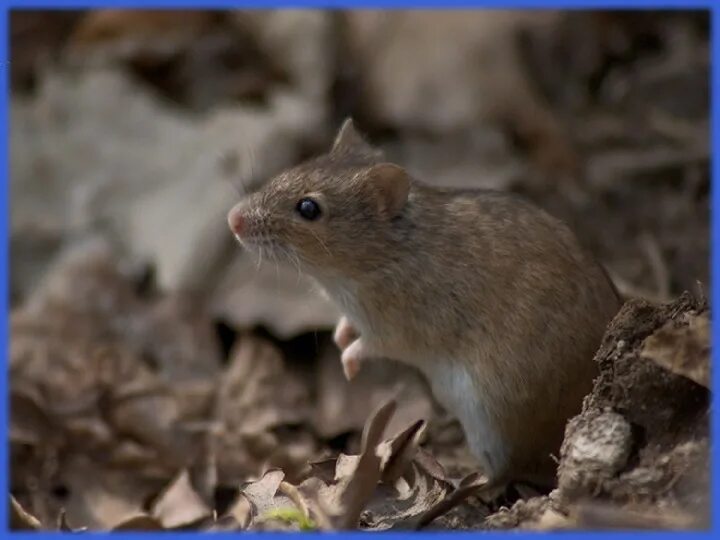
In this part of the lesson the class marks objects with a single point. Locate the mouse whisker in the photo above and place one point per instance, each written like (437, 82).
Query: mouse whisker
(296, 262)
(320, 242)
(274, 251)
(292, 257)
(261, 249)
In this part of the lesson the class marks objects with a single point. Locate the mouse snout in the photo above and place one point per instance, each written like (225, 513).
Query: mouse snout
(237, 221)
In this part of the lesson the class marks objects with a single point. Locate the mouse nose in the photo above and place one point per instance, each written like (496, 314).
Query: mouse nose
(236, 221)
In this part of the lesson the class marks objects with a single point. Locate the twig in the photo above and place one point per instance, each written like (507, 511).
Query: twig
(292, 493)
(657, 263)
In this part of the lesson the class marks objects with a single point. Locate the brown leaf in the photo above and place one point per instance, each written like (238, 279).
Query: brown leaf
(261, 493)
(324, 470)
(20, 520)
(29, 422)
(241, 512)
(140, 522)
(257, 397)
(409, 488)
(179, 505)
(110, 26)
(398, 506)
(401, 451)
(99, 496)
(467, 486)
(684, 350)
(277, 298)
(265, 499)
(226, 523)
(367, 472)
(343, 406)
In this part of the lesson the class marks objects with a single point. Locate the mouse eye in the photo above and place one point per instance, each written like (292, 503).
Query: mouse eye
(308, 208)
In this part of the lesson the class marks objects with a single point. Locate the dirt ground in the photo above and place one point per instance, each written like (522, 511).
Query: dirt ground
(161, 380)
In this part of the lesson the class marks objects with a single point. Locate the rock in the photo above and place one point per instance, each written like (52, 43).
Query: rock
(596, 447)
(660, 457)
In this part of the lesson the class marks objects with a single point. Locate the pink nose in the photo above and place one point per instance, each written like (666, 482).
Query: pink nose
(236, 221)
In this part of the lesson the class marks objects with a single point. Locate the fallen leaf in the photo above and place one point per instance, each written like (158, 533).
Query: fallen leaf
(271, 498)
(684, 350)
(241, 512)
(342, 406)
(20, 520)
(258, 397)
(179, 505)
(140, 522)
(367, 471)
(99, 497)
(391, 485)
(29, 421)
(261, 493)
(400, 452)
(467, 486)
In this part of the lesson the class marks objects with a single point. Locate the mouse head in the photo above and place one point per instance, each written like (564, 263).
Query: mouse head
(335, 213)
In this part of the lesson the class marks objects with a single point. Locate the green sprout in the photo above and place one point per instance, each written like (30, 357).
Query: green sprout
(292, 516)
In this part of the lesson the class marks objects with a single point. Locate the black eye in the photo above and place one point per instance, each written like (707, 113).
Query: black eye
(308, 209)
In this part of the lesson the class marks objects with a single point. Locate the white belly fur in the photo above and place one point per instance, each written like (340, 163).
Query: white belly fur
(453, 388)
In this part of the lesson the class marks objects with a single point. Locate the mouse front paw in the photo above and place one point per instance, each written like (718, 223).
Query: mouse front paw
(352, 357)
(345, 333)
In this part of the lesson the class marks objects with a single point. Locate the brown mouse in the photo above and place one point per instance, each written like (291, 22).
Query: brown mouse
(489, 296)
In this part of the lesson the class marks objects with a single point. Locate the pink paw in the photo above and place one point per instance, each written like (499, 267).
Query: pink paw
(352, 358)
(344, 334)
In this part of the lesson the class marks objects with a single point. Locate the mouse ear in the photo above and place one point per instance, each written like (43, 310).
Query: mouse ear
(349, 139)
(392, 186)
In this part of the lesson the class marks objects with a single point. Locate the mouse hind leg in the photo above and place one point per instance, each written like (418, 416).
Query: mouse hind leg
(453, 387)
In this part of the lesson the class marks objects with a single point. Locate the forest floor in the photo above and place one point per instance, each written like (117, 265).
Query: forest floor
(159, 381)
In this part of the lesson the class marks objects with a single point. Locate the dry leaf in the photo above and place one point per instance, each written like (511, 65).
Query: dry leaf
(261, 493)
(343, 406)
(684, 350)
(179, 505)
(413, 491)
(140, 522)
(400, 452)
(367, 471)
(467, 486)
(258, 396)
(100, 497)
(20, 520)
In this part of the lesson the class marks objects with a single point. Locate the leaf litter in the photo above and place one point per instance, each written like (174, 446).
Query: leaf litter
(137, 409)
(105, 436)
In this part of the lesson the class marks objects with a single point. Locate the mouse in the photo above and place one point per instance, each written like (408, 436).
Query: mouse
(493, 299)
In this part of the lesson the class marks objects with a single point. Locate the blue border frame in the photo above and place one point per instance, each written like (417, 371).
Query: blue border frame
(4, 252)
(566, 4)
(427, 4)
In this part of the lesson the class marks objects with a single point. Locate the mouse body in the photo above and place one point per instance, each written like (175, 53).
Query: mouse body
(489, 296)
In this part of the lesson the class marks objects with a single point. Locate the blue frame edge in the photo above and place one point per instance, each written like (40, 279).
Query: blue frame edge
(565, 4)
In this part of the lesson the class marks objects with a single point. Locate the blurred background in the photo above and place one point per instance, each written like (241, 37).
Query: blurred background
(145, 342)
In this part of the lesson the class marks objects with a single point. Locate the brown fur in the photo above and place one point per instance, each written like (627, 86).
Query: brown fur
(477, 282)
